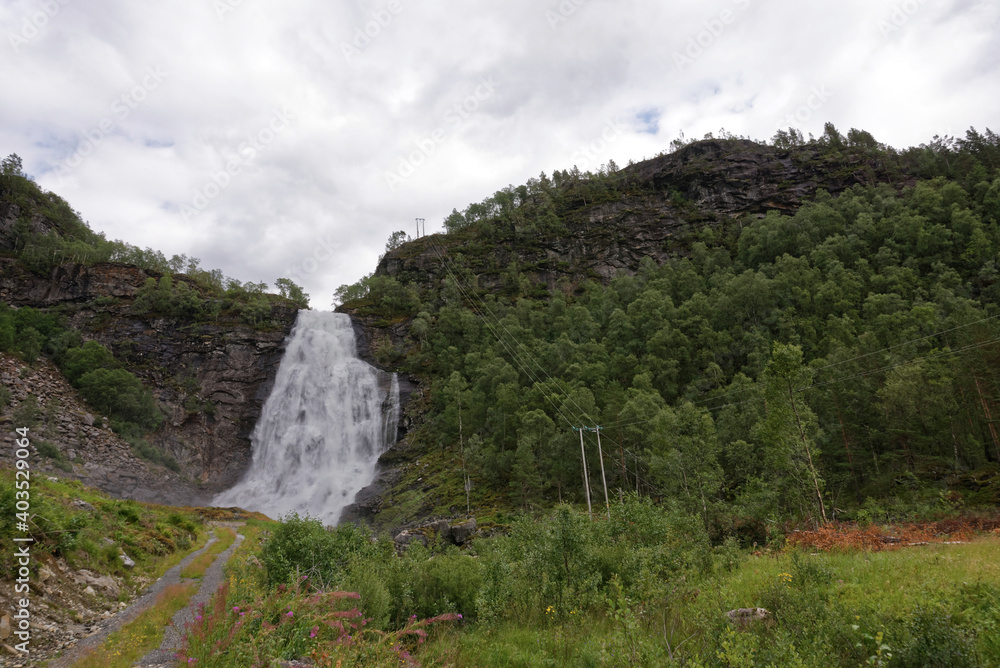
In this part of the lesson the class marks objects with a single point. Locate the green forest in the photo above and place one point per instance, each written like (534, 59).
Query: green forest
(837, 362)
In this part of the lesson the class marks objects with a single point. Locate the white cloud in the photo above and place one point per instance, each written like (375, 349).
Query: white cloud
(321, 182)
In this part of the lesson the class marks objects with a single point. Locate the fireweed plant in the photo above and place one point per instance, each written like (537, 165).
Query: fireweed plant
(250, 622)
(293, 622)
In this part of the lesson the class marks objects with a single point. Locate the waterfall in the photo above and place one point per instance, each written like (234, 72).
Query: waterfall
(327, 420)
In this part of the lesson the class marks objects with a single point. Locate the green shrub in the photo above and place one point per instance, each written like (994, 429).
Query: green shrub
(46, 449)
(89, 357)
(150, 453)
(446, 583)
(935, 640)
(27, 413)
(121, 395)
(301, 545)
(30, 342)
(181, 522)
(127, 510)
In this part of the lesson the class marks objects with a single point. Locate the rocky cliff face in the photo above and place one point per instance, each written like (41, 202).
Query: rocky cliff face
(708, 183)
(211, 379)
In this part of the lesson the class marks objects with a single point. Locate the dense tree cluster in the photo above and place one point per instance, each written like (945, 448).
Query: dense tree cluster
(793, 365)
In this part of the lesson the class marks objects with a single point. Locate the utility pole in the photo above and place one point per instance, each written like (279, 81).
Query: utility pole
(421, 223)
(465, 472)
(604, 480)
(586, 483)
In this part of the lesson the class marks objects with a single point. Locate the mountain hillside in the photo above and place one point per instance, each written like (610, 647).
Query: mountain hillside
(803, 329)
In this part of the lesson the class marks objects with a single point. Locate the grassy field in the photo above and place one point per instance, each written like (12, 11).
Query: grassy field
(931, 605)
(890, 604)
(90, 529)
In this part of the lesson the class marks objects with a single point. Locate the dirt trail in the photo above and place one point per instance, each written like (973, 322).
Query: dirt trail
(173, 634)
(164, 656)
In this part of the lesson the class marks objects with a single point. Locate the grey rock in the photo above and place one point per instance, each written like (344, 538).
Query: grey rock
(408, 536)
(745, 616)
(443, 530)
(105, 582)
(463, 531)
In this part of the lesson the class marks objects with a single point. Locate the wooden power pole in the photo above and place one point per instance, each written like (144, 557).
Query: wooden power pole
(604, 480)
(586, 482)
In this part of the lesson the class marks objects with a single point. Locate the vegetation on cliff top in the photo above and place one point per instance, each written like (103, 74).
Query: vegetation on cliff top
(48, 233)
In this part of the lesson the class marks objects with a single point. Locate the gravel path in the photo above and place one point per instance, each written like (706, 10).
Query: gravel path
(171, 577)
(172, 635)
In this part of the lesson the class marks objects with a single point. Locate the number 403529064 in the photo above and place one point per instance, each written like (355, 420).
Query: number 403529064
(22, 474)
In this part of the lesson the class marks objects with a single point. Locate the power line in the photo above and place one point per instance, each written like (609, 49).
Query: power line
(513, 354)
(906, 343)
(471, 296)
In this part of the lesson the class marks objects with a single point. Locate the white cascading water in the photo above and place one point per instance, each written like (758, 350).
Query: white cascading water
(327, 420)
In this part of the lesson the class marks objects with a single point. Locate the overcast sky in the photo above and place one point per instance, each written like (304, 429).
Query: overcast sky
(290, 139)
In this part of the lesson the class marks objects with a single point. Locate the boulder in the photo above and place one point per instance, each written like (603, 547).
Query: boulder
(744, 616)
(407, 536)
(83, 505)
(105, 582)
(443, 530)
(126, 561)
(463, 531)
